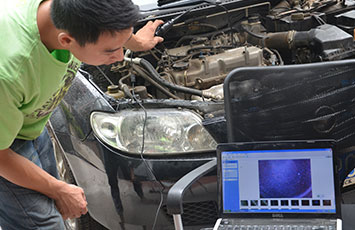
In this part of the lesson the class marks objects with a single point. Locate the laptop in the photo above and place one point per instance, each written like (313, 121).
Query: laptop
(283, 185)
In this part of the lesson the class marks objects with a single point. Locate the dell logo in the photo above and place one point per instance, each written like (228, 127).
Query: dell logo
(277, 215)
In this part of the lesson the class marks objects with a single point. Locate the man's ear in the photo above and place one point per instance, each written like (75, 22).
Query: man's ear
(65, 40)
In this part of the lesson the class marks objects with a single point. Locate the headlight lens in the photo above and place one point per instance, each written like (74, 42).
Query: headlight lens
(166, 131)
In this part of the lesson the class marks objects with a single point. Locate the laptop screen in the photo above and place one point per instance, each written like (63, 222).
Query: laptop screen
(278, 181)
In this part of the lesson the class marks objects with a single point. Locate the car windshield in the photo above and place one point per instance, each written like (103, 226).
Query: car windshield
(146, 4)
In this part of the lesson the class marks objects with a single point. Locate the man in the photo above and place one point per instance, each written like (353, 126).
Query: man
(42, 42)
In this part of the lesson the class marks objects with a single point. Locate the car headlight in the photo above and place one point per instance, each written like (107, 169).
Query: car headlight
(166, 131)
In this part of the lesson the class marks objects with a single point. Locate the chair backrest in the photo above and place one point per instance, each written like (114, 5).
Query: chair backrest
(292, 102)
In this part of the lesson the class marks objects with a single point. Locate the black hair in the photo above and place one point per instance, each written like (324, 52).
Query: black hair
(86, 20)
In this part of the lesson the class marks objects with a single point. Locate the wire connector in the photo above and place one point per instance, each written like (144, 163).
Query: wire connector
(133, 78)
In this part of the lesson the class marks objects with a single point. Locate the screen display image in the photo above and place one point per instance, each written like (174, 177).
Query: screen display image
(281, 181)
(285, 178)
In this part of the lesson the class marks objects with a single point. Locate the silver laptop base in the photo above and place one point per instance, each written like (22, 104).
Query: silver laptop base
(277, 224)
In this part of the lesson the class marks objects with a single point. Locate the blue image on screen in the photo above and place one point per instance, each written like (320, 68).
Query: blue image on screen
(285, 178)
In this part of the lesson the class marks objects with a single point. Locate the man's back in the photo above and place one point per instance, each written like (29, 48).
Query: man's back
(31, 79)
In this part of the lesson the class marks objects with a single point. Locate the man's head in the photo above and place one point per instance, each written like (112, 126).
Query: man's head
(86, 20)
(94, 30)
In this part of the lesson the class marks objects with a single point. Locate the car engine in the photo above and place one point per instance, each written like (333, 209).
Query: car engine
(211, 39)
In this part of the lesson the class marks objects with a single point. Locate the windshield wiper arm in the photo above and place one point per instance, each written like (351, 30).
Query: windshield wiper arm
(182, 3)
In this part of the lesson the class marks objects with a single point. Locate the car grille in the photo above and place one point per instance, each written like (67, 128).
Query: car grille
(200, 213)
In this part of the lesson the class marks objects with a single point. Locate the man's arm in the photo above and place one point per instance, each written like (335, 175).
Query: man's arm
(70, 199)
(145, 39)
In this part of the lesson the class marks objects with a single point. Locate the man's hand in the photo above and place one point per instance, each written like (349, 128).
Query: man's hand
(71, 201)
(145, 38)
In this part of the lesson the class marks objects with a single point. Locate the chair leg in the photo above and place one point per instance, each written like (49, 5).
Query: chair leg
(178, 222)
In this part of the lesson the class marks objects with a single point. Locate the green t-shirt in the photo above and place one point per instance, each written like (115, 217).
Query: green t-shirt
(32, 80)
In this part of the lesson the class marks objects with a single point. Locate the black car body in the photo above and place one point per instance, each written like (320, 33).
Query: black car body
(171, 99)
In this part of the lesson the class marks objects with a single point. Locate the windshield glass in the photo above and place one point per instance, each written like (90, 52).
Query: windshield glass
(146, 4)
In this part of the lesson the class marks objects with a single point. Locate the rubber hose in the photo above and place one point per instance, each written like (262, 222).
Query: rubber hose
(155, 75)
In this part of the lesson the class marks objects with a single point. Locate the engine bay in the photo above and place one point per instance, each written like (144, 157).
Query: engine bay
(208, 40)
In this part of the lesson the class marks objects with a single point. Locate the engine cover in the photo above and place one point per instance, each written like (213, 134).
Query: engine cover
(206, 71)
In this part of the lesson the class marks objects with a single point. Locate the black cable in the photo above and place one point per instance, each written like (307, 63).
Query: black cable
(281, 62)
(124, 87)
(319, 19)
(145, 75)
(103, 74)
(155, 75)
(166, 26)
(259, 36)
(142, 157)
(229, 19)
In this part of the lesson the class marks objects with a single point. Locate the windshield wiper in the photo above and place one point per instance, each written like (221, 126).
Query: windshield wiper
(167, 4)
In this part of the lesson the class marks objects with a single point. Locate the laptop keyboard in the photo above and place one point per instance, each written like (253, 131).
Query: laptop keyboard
(275, 227)
(229, 225)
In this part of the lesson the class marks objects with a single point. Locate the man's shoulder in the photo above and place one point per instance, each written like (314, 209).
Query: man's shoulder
(18, 24)
(19, 35)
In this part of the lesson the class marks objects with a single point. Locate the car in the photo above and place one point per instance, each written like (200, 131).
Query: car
(128, 131)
